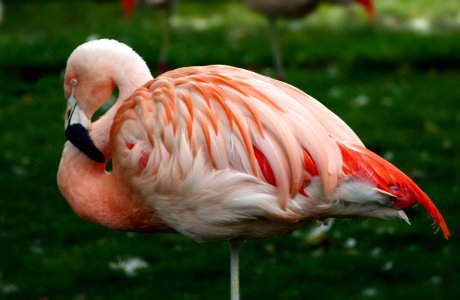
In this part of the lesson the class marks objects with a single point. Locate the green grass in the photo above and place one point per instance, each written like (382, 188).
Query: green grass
(397, 88)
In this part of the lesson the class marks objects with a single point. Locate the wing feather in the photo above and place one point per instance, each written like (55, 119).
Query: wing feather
(227, 112)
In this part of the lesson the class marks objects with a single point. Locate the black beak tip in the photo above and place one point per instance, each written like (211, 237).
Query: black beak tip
(79, 137)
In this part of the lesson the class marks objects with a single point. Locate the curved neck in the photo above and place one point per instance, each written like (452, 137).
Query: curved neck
(139, 74)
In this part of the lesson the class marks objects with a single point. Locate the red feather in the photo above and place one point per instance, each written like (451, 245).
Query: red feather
(362, 163)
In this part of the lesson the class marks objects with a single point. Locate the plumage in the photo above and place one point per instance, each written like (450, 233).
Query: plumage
(215, 153)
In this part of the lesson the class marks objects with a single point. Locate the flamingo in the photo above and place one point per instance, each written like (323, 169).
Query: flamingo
(294, 9)
(214, 153)
(168, 6)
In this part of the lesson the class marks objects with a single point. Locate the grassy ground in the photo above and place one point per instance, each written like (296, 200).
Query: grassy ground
(396, 84)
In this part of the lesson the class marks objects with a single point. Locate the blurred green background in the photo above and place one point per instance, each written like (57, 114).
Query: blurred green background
(396, 83)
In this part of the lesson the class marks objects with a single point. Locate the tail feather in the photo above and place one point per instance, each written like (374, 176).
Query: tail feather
(364, 164)
(425, 201)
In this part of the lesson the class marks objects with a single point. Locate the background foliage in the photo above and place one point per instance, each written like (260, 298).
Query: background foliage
(397, 83)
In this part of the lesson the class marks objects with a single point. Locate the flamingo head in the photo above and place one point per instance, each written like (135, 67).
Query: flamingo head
(85, 93)
(77, 124)
(368, 6)
(397, 188)
(93, 71)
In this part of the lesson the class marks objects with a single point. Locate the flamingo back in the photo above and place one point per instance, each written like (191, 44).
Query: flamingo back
(243, 121)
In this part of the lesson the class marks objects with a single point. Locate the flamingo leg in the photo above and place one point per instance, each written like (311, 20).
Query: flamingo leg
(235, 269)
(165, 40)
(276, 49)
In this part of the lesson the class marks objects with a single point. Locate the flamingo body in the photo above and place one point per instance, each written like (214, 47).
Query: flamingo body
(292, 9)
(283, 9)
(214, 152)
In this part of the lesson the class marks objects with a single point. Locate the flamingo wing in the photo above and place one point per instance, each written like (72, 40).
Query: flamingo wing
(206, 120)
(242, 121)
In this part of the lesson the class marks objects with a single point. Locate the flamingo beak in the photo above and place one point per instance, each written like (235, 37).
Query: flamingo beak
(76, 131)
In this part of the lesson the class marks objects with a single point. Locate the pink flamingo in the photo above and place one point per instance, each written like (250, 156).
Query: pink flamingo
(168, 6)
(214, 153)
(294, 9)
